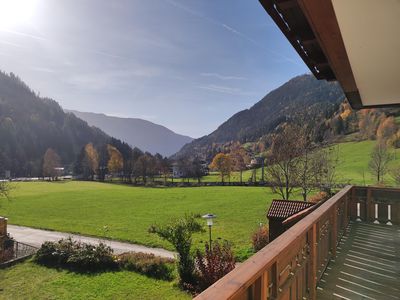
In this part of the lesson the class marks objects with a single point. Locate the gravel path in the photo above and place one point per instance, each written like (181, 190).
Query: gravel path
(36, 237)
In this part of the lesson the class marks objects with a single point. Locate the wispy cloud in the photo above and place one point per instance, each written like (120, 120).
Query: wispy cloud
(10, 44)
(113, 78)
(24, 34)
(225, 90)
(102, 53)
(223, 77)
(232, 31)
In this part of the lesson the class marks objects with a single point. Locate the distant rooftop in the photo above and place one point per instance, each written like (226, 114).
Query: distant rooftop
(282, 209)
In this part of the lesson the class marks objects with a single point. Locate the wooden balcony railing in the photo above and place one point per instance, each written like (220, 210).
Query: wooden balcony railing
(291, 266)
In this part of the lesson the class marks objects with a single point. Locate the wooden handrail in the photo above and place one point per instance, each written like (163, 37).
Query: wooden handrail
(236, 284)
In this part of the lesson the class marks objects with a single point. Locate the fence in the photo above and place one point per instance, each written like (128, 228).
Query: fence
(13, 251)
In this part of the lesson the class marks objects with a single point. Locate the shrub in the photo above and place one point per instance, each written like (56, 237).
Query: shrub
(260, 238)
(147, 264)
(67, 253)
(92, 258)
(213, 264)
(319, 197)
(179, 234)
(244, 253)
(47, 254)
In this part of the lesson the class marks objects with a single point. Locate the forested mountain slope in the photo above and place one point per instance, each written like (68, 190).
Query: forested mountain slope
(30, 124)
(318, 98)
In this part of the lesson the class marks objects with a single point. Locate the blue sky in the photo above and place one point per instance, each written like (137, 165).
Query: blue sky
(185, 64)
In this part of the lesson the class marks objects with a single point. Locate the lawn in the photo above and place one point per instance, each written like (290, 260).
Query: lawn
(86, 207)
(353, 163)
(352, 167)
(30, 281)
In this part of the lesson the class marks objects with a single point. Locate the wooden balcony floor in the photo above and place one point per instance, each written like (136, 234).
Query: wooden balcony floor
(367, 265)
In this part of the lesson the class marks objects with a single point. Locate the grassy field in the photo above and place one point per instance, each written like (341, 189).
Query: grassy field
(353, 163)
(352, 166)
(85, 207)
(30, 281)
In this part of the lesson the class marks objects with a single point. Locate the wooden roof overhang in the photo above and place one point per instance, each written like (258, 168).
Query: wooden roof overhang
(312, 28)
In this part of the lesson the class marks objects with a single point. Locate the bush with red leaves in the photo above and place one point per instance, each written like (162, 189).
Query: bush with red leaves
(213, 264)
(260, 238)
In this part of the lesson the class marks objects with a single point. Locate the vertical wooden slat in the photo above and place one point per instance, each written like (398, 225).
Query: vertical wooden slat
(353, 204)
(334, 230)
(313, 262)
(346, 215)
(368, 205)
(261, 287)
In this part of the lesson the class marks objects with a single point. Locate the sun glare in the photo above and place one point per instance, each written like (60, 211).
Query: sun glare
(16, 12)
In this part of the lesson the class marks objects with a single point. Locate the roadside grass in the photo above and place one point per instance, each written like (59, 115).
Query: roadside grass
(128, 212)
(30, 281)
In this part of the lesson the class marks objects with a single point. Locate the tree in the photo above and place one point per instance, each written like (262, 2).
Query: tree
(115, 163)
(91, 159)
(179, 234)
(223, 164)
(324, 162)
(386, 129)
(283, 161)
(126, 154)
(165, 168)
(368, 122)
(380, 159)
(51, 163)
(136, 154)
(143, 166)
(240, 160)
(5, 189)
(197, 169)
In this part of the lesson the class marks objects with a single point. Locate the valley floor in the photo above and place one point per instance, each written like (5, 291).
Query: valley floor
(127, 212)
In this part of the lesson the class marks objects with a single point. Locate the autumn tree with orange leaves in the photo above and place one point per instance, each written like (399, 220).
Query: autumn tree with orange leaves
(223, 164)
(116, 162)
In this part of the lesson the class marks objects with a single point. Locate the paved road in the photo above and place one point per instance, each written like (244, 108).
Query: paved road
(36, 237)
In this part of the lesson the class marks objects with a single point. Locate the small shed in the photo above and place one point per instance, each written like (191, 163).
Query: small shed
(279, 211)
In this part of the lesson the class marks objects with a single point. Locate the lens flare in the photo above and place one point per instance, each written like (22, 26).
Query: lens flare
(16, 12)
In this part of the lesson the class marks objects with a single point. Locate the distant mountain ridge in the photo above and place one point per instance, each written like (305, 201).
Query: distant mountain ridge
(136, 132)
(301, 93)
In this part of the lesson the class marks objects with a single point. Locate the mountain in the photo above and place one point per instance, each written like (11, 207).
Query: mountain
(300, 94)
(137, 132)
(30, 124)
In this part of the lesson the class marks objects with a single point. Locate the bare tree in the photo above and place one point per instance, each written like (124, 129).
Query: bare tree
(51, 163)
(240, 159)
(323, 168)
(395, 173)
(305, 167)
(379, 162)
(284, 161)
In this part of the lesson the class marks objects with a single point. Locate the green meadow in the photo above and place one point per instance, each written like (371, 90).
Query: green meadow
(128, 212)
(31, 281)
